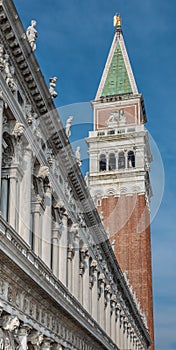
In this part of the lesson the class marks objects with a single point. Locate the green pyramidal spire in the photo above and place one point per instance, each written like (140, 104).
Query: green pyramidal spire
(117, 81)
(117, 78)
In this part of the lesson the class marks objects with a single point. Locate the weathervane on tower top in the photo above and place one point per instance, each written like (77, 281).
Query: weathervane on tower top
(117, 21)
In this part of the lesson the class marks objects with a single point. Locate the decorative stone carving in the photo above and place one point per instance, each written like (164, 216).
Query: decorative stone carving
(101, 278)
(78, 156)
(10, 322)
(68, 193)
(29, 116)
(52, 91)
(116, 119)
(8, 150)
(93, 268)
(93, 264)
(113, 244)
(68, 126)
(8, 339)
(81, 220)
(32, 35)
(74, 229)
(18, 130)
(36, 339)
(41, 172)
(58, 211)
(1, 96)
(9, 71)
(49, 155)
(40, 177)
(1, 57)
(84, 252)
(113, 300)
(101, 216)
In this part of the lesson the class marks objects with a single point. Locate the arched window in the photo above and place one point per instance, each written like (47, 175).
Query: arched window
(121, 160)
(131, 159)
(112, 161)
(102, 162)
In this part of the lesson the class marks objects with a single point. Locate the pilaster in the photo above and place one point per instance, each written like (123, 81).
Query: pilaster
(63, 250)
(46, 228)
(1, 130)
(25, 197)
(75, 265)
(101, 300)
(56, 235)
(107, 309)
(94, 289)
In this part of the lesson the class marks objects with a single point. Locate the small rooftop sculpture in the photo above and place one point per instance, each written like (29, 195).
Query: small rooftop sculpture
(68, 126)
(32, 35)
(52, 87)
(78, 155)
(117, 20)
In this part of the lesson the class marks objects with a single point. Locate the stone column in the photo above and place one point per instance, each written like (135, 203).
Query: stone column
(129, 336)
(4, 195)
(75, 266)
(63, 251)
(94, 289)
(137, 344)
(117, 160)
(1, 131)
(118, 308)
(14, 193)
(81, 272)
(113, 318)
(37, 212)
(70, 255)
(121, 335)
(23, 335)
(134, 342)
(125, 334)
(25, 197)
(131, 339)
(85, 252)
(101, 301)
(107, 161)
(55, 244)
(107, 309)
(47, 225)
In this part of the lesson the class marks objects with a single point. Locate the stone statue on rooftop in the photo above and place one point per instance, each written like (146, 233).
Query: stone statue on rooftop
(32, 35)
(78, 155)
(68, 126)
(52, 87)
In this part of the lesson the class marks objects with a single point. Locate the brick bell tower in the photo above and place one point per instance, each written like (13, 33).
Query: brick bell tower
(119, 171)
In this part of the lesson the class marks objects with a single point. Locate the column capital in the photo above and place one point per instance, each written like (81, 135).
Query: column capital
(36, 339)
(46, 343)
(24, 329)
(101, 278)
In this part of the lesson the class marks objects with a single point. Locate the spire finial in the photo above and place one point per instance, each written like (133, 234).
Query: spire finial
(117, 21)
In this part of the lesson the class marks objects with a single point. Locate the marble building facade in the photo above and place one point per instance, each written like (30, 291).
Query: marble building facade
(60, 284)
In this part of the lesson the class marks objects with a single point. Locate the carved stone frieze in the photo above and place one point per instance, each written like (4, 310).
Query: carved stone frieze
(25, 303)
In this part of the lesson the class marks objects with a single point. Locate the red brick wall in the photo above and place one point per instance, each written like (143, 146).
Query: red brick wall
(128, 221)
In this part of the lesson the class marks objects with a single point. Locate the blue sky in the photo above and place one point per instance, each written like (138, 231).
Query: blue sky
(74, 38)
